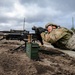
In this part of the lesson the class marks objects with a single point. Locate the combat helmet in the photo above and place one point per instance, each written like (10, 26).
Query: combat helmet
(51, 24)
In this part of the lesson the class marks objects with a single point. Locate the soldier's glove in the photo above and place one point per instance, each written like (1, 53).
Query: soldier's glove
(38, 31)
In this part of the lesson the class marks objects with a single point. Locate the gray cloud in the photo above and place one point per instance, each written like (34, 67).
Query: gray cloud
(63, 5)
(6, 4)
(12, 13)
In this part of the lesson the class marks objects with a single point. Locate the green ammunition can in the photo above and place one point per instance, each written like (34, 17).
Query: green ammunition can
(32, 50)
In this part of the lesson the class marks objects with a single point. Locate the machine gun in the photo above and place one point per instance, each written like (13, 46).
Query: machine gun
(22, 35)
(14, 34)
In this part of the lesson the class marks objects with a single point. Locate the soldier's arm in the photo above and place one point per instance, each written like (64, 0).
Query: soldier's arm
(53, 36)
(48, 38)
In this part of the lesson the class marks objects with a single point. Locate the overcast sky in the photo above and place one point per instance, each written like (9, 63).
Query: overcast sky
(35, 12)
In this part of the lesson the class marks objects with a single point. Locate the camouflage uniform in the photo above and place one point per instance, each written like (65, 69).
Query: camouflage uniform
(59, 37)
(71, 43)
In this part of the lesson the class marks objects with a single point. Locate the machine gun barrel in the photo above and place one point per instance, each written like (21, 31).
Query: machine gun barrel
(17, 35)
(14, 34)
(5, 34)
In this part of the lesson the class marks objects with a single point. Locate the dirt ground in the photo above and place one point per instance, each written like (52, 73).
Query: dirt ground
(18, 63)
